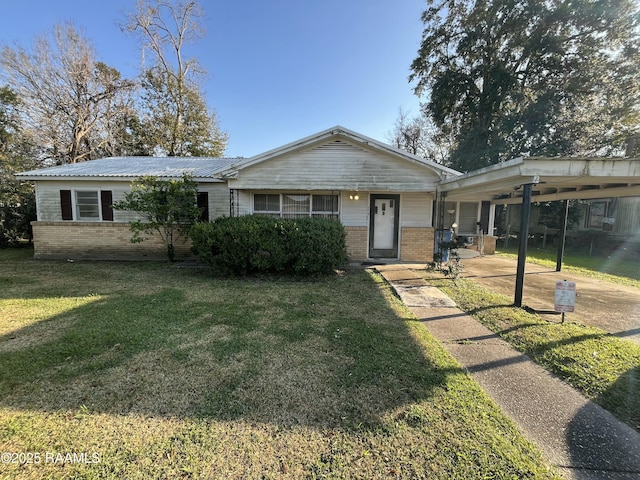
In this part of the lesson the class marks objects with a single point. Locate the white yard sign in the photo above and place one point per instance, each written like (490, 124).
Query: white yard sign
(565, 296)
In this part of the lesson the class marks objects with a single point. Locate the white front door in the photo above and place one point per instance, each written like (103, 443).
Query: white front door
(384, 221)
(383, 241)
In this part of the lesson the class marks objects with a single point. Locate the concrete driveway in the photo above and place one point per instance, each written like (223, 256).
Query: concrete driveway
(609, 306)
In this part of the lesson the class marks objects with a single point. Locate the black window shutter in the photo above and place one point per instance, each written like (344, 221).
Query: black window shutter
(203, 203)
(106, 202)
(65, 204)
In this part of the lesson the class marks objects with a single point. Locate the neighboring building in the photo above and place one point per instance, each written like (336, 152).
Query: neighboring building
(384, 197)
(620, 217)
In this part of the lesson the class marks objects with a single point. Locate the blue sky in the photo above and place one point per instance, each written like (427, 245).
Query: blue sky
(277, 70)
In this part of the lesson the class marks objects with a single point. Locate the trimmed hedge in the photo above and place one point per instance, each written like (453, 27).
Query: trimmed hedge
(252, 244)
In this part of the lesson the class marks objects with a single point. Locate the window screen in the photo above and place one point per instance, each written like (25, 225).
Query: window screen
(325, 206)
(266, 202)
(88, 205)
(294, 206)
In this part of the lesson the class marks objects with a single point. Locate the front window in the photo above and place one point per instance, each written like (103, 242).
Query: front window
(294, 205)
(266, 204)
(88, 205)
(325, 206)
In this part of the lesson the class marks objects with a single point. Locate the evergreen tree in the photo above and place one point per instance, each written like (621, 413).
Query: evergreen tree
(530, 77)
(17, 199)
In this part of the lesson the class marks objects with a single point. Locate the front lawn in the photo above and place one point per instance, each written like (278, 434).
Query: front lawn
(119, 370)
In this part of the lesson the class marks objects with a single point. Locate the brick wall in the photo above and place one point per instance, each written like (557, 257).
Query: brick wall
(490, 244)
(357, 247)
(110, 241)
(98, 241)
(416, 244)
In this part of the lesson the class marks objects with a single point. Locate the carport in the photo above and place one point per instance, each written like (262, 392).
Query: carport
(539, 179)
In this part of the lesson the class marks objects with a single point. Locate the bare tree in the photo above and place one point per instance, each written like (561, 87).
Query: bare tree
(176, 118)
(419, 136)
(70, 100)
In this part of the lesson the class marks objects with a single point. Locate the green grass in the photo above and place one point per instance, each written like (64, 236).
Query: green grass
(615, 268)
(603, 367)
(161, 372)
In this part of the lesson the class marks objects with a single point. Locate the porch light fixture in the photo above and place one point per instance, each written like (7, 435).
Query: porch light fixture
(451, 212)
(354, 196)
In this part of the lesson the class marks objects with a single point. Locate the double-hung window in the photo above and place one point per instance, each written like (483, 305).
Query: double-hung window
(324, 206)
(267, 204)
(86, 205)
(295, 205)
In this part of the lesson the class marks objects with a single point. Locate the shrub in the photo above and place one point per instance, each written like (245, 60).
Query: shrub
(251, 244)
(168, 207)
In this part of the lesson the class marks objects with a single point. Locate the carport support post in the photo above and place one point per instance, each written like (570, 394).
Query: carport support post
(524, 236)
(563, 234)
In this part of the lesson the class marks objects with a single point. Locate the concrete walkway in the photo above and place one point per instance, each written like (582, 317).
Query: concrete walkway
(580, 439)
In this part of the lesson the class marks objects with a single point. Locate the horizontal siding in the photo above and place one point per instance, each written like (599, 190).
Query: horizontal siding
(244, 199)
(218, 199)
(337, 166)
(355, 213)
(416, 210)
(48, 202)
(468, 217)
(48, 198)
(627, 216)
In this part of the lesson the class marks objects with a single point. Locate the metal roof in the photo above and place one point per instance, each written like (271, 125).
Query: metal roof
(133, 167)
(553, 179)
(216, 169)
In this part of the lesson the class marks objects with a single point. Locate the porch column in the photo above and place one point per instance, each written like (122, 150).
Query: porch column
(524, 236)
(563, 234)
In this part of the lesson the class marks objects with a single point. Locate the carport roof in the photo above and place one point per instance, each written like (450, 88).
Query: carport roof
(552, 179)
